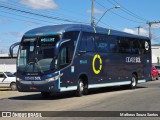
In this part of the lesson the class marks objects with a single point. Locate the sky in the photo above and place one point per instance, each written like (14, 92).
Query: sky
(19, 16)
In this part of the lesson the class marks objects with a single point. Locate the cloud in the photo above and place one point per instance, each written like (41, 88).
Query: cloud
(130, 31)
(96, 11)
(143, 31)
(156, 25)
(40, 4)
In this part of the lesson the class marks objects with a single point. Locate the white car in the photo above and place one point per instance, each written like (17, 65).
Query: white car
(7, 79)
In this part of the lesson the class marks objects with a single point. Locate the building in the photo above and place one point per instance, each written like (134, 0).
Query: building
(156, 54)
(7, 64)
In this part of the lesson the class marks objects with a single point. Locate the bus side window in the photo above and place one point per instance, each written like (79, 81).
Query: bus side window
(136, 48)
(64, 60)
(87, 42)
(101, 43)
(124, 45)
(112, 44)
(73, 36)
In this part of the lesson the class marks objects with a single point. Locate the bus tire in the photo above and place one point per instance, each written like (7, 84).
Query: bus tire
(46, 94)
(157, 78)
(80, 88)
(13, 86)
(133, 84)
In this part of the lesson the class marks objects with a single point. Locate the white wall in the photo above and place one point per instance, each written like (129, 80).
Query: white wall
(8, 68)
(155, 54)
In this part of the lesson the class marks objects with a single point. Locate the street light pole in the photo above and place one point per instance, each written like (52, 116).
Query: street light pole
(106, 12)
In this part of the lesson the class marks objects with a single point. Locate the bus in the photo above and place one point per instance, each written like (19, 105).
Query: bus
(75, 57)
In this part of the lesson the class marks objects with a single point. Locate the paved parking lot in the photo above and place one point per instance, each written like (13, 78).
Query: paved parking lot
(145, 98)
(7, 93)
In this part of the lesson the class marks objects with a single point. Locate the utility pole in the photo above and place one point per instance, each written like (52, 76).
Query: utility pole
(138, 29)
(150, 26)
(92, 16)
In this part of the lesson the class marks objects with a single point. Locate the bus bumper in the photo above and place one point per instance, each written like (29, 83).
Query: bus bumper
(32, 86)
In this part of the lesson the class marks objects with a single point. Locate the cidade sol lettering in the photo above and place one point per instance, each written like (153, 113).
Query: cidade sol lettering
(133, 60)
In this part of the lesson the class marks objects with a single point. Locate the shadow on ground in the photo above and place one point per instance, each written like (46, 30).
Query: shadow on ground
(65, 95)
(5, 89)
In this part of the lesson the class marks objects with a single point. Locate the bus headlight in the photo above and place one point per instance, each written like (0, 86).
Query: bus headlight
(51, 79)
(55, 78)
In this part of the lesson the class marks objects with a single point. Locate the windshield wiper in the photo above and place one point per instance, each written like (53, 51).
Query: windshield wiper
(39, 67)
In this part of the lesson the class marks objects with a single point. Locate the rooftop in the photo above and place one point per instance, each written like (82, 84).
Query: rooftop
(59, 29)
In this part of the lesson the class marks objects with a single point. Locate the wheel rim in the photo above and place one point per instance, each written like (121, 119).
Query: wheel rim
(13, 87)
(133, 81)
(81, 86)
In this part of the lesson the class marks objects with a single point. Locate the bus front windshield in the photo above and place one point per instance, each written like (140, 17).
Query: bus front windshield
(37, 54)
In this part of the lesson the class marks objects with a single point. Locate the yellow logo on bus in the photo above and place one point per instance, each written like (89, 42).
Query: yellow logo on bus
(97, 56)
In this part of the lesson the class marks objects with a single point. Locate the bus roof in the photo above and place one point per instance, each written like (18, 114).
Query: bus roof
(59, 29)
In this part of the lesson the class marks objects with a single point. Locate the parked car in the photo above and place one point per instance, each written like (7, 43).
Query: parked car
(154, 72)
(158, 67)
(8, 80)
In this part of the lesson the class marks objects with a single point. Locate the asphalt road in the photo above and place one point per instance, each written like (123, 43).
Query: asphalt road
(145, 98)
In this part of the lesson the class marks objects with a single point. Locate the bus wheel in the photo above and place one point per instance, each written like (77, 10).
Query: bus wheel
(46, 94)
(157, 78)
(133, 84)
(80, 88)
(13, 86)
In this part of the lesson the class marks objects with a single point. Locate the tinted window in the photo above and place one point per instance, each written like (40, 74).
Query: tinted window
(64, 56)
(136, 48)
(9, 74)
(1, 75)
(105, 43)
(87, 42)
(101, 43)
(158, 67)
(124, 45)
(73, 36)
(112, 44)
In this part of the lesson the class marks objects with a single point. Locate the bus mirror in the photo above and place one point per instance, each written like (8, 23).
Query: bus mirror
(12, 47)
(64, 41)
(81, 52)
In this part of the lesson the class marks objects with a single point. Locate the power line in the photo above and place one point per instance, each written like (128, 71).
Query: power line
(49, 12)
(25, 17)
(65, 10)
(124, 9)
(15, 4)
(150, 27)
(52, 13)
(40, 15)
(118, 14)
